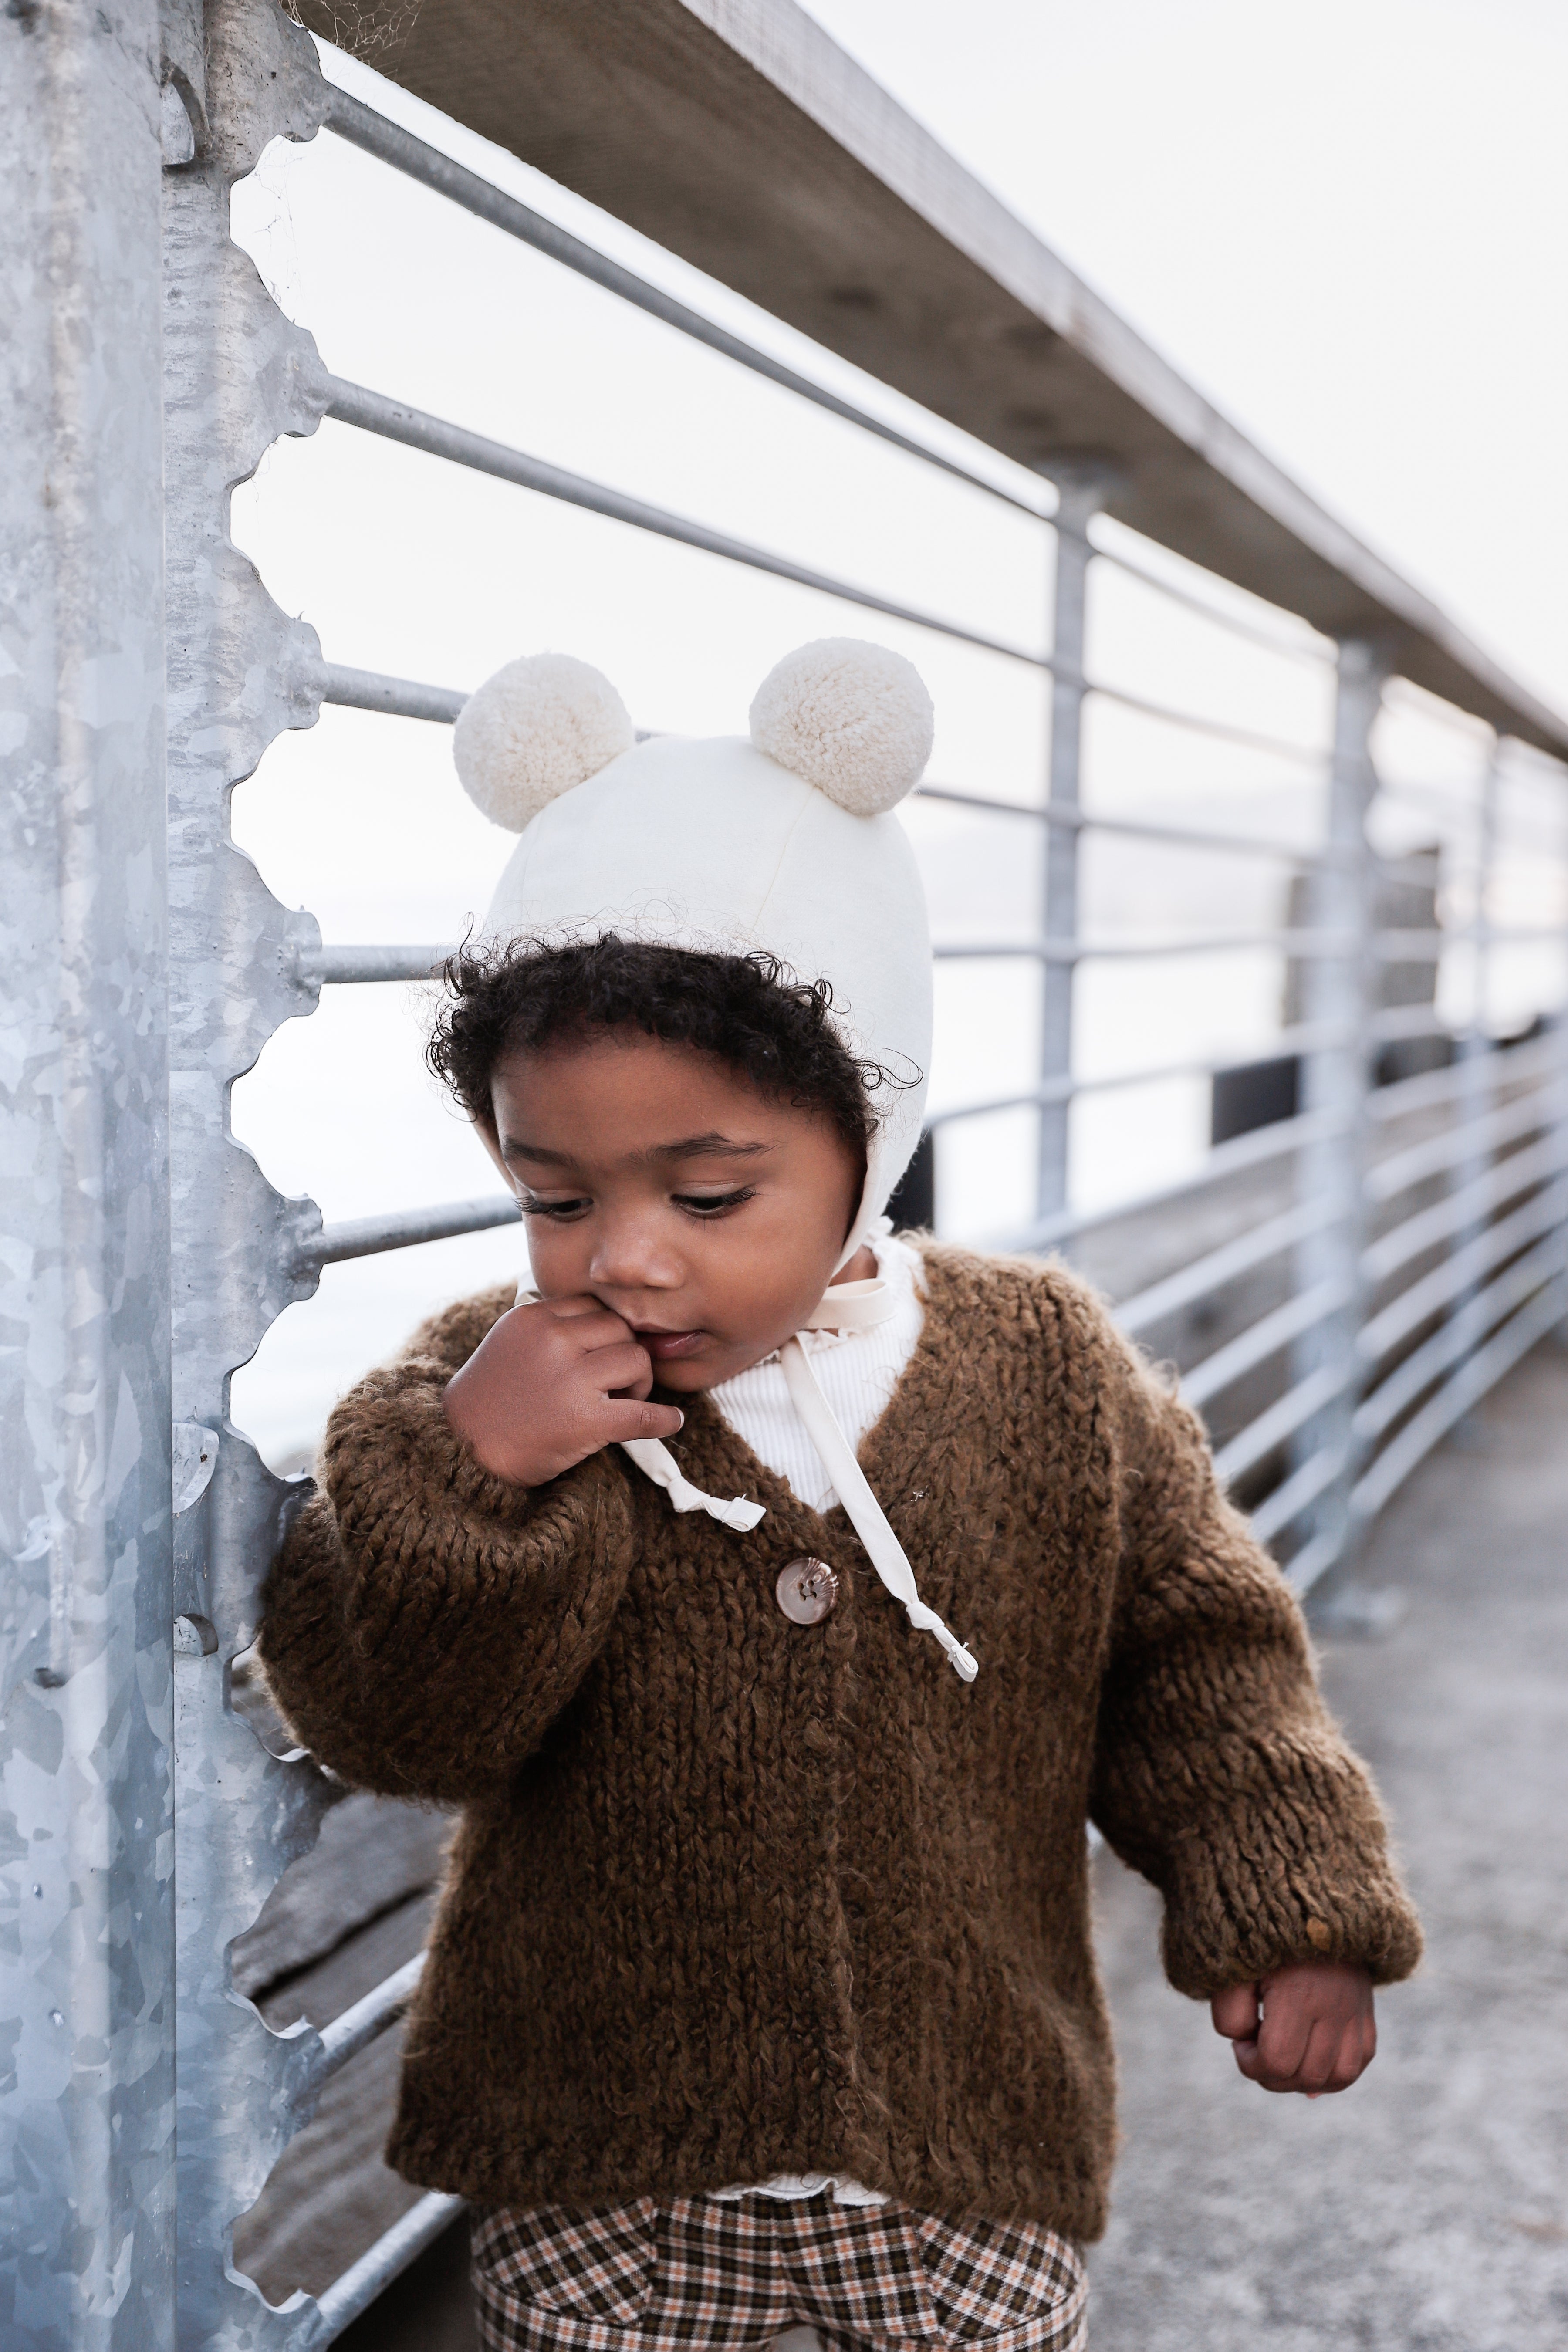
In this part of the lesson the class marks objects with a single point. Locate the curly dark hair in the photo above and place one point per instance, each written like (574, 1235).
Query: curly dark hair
(748, 1012)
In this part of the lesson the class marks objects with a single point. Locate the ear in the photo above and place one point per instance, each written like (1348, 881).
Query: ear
(532, 732)
(851, 718)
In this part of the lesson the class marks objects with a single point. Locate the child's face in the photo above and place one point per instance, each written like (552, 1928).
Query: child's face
(656, 1181)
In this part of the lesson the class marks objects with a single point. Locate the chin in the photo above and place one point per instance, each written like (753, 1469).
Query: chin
(685, 1380)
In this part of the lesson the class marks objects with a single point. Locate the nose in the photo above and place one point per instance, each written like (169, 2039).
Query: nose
(630, 1253)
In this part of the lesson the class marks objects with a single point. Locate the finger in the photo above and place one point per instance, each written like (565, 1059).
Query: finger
(1316, 2071)
(576, 1303)
(1246, 2058)
(623, 1417)
(624, 1366)
(1349, 2062)
(1282, 2039)
(1234, 2012)
(594, 1328)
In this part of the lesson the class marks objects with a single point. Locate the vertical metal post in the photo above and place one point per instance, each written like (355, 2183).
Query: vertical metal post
(1478, 1064)
(238, 375)
(1560, 1016)
(87, 2117)
(1081, 492)
(1339, 989)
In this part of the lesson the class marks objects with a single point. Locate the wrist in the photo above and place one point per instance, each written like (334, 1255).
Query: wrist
(495, 1450)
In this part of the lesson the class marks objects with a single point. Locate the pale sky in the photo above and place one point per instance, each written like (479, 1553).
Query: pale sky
(1346, 223)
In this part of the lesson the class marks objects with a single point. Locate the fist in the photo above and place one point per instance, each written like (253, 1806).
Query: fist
(550, 1383)
(1309, 2028)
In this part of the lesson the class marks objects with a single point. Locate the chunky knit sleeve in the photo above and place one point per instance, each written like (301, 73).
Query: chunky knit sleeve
(1219, 1773)
(425, 1621)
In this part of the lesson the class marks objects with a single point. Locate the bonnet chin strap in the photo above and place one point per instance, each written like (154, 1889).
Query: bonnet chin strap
(655, 1460)
(866, 1515)
(844, 1306)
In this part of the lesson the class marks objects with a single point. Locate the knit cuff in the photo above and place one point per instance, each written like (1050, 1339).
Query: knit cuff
(392, 1434)
(1271, 1891)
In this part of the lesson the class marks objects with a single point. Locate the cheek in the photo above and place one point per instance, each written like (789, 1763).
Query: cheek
(556, 1253)
(792, 1248)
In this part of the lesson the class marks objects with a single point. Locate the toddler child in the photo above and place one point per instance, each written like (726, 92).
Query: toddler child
(778, 1599)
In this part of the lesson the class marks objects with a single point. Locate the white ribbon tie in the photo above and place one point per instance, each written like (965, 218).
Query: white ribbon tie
(844, 1306)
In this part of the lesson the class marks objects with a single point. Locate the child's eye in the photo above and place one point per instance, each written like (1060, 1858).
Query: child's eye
(712, 1204)
(558, 1210)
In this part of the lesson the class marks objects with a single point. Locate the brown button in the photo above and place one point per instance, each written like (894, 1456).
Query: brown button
(806, 1591)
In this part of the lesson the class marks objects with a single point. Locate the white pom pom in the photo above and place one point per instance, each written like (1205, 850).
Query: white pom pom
(851, 718)
(535, 729)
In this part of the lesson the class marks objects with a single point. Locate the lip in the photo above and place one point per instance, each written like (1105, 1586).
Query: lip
(668, 1346)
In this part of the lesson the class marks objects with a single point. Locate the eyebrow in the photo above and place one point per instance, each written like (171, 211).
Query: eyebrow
(712, 1146)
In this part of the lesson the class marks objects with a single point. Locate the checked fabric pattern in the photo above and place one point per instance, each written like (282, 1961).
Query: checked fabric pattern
(704, 2275)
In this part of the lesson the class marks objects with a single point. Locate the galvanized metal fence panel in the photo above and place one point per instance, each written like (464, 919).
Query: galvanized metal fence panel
(87, 2075)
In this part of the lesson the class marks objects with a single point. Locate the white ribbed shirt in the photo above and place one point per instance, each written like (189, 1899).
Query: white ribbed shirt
(858, 1371)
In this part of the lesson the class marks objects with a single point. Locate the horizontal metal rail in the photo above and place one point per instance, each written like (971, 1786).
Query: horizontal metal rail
(1396, 1022)
(1313, 649)
(390, 143)
(1401, 1170)
(407, 698)
(1291, 1498)
(1180, 836)
(395, 697)
(374, 2273)
(1202, 1274)
(1431, 944)
(1315, 1559)
(1328, 945)
(1262, 1339)
(1283, 1418)
(1455, 1340)
(1325, 945)
(1536, 1164)
(395, 420)
(366, 2021)
(1278, 747)
(1452, 801)
(1473, 1377)
(1276, 1141)
(1425, 946)
(340, 967)
(1428, 1296)
(1503, 1066)
(369, 1236)
(437, 437)
(1307, 1037)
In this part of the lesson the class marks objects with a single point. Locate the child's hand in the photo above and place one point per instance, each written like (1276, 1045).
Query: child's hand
(550, 1383)
(1309, 2028)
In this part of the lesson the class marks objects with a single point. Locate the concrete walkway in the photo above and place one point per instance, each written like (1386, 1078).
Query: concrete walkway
(1425, 2211)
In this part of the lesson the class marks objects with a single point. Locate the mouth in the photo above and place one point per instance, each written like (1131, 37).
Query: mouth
(669, 1347)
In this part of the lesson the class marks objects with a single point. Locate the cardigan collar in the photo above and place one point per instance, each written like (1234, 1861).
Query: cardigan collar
(849, 1306)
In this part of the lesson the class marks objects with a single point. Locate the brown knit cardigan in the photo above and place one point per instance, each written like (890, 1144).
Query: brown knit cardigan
(733, 1897)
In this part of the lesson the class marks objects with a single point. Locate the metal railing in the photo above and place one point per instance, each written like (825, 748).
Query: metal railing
(1345, 1384)
(1387, 1313)
(1335, 1389)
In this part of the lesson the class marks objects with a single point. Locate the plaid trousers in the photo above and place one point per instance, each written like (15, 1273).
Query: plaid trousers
(708, 2275)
